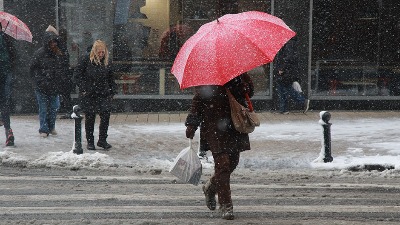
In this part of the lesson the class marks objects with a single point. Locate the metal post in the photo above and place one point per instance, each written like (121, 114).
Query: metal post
(325, 117)
(77, 148)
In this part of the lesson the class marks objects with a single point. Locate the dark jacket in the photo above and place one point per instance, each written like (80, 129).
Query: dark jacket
(48, 69)
(10, 52)
(96, 85)
(287, 61)
(211, 111)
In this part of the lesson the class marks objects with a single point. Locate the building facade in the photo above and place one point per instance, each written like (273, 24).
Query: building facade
(349, 50)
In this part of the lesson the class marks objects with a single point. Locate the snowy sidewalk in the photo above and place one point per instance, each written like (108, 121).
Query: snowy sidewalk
(179, 117)
(151, 141)
(176, 117)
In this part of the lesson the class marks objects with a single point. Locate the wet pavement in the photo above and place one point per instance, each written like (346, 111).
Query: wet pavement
(135, 196)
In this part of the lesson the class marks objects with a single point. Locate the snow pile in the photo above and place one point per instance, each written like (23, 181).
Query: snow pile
(12, 159)
(71, 160)
(58, 160)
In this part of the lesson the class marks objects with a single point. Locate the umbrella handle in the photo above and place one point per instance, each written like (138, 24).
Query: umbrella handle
(251, 109)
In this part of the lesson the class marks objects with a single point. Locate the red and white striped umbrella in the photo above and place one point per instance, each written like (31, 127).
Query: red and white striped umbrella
(14, 27)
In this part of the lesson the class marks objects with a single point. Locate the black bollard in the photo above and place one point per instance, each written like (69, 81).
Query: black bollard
(77, 149)
(325, 117)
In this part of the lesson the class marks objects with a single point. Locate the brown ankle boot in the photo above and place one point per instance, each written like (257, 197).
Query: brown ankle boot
(227, 211)
(209, 192)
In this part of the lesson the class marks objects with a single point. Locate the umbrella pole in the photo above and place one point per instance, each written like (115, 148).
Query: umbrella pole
(8, 22)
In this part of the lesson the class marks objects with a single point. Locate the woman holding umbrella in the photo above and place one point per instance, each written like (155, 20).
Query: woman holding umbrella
(209, 61)
(211, 111)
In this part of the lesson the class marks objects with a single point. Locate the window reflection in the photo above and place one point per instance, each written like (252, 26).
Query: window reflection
(146, 36)
(351, 53)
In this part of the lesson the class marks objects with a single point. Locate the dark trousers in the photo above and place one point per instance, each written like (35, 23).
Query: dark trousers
(284, 92)
(5, 97)
(103, 128)
(225, 164)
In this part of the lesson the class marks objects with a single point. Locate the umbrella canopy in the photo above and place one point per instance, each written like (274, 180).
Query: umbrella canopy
(225, 48)
(14, 27)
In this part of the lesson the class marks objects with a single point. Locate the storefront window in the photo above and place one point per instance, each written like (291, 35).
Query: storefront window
(355, 50)
(145, 36)
(83, 23)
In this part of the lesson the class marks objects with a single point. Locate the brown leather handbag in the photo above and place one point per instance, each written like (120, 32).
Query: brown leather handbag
(244, 119)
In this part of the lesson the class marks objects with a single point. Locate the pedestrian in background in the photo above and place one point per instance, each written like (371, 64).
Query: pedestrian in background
(211, 111)
(287, 69)
(48, 67)
(66, 89)
(97, 87)
(7, 62)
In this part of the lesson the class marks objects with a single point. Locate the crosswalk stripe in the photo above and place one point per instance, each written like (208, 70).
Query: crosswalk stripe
(182, 209)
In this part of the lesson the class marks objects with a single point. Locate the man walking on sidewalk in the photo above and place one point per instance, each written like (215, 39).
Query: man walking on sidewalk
(286, 70)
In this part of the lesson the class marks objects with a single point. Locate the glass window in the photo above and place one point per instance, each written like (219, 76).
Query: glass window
(355, 48)
(144, 37)
(82, 23)
(85, 23)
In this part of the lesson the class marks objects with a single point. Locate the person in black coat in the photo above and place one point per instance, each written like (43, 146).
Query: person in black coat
(97, 87)
(7, 62)
(48, 67)
(66, 89)
(210, 110)
(287, 70)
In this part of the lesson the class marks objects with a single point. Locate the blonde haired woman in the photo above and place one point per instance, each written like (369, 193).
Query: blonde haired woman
(97, 87)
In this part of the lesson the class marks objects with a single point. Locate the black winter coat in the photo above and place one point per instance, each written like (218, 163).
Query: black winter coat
(10, 50)
(211, 111)
(287, 61)
(96, 85)
(48, 69)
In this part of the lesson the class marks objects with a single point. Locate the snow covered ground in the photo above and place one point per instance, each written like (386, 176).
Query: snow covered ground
(276, 145)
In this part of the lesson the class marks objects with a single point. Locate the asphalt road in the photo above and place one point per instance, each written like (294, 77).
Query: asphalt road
(120, 196)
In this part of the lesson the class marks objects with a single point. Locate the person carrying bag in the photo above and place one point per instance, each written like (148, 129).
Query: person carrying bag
(211, 111)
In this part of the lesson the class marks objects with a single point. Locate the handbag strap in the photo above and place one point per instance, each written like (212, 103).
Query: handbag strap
(250, 105)
(251, 109)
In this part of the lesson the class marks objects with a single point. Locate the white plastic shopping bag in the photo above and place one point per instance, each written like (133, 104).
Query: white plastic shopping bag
(187, 166)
